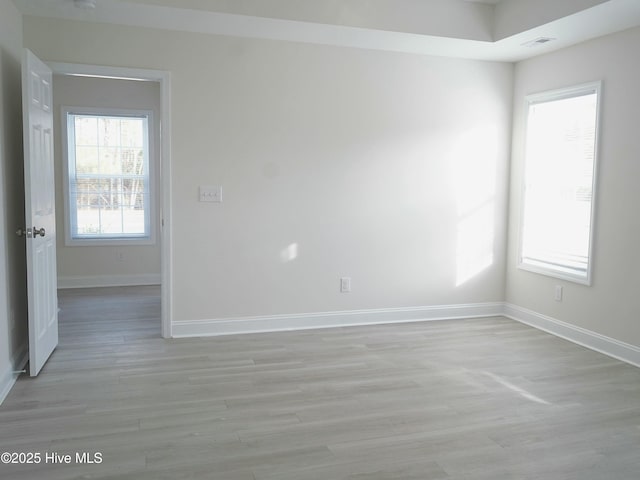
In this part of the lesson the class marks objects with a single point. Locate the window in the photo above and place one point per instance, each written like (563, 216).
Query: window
(108, 197)
(559, 183)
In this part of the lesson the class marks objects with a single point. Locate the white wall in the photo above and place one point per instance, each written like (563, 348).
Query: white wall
(13, 309)
(611, 306)
(388, 168)
(100, 265)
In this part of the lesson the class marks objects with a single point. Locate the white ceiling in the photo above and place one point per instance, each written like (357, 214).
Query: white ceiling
(456, 28)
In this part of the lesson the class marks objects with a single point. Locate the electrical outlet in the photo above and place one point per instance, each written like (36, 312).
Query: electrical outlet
(345, 284)
(558, 293)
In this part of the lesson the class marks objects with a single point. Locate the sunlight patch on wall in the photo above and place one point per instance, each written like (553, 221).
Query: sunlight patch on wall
(289, 253)
(475, 183)
(475, 243)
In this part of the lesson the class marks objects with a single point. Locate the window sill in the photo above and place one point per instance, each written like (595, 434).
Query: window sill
(109, 242)
(550, 272)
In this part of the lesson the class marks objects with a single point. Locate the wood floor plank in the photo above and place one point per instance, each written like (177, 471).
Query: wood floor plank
(452, 400)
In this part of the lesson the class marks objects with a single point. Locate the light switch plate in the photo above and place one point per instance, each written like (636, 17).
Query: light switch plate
(210, 193)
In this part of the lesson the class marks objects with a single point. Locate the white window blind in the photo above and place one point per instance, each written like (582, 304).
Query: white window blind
(560, 166)
(108, 180)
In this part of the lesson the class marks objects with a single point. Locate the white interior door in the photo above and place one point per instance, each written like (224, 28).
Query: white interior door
(40, 214)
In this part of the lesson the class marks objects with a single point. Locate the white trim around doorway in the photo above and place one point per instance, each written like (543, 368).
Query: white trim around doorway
(164, 79)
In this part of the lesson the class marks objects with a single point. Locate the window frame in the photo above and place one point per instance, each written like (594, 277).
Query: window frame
(549, 96)
(149, 239)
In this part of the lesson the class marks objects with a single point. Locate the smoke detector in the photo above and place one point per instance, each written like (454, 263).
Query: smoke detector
(85, 4)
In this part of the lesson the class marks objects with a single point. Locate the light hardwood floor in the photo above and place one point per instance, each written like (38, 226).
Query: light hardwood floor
(474, 400)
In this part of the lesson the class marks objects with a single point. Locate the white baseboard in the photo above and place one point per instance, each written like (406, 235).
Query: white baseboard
(600, 343)
(279, 323)
(274, 323)
(8, 377)
(108, 281)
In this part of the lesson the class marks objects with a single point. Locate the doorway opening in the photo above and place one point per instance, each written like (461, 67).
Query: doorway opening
(122, 264)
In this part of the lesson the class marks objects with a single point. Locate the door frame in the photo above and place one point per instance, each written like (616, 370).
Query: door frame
(166, 245)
